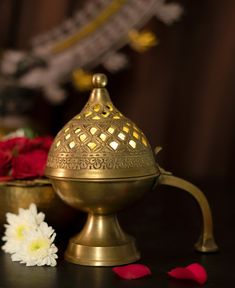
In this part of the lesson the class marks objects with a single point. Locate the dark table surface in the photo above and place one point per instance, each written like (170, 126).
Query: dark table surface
(166, 224)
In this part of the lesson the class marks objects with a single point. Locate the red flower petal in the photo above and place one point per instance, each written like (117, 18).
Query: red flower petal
(42, 142)
(5, 163)
(29, 165)
(13, 143)
(132, 271)
(181, 273)
(199, 272)
(193, 272)
(6, 178)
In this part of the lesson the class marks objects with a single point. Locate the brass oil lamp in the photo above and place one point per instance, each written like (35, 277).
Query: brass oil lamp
(100, 162)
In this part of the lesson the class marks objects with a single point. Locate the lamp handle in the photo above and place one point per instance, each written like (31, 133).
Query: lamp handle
(206, 242)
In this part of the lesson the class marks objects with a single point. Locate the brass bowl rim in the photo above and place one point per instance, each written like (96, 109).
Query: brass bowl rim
(27, 183)
(103, 180)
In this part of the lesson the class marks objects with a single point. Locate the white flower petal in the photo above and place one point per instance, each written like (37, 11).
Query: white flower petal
(29, 239)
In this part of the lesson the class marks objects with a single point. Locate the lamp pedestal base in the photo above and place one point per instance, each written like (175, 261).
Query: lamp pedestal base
(102, 242)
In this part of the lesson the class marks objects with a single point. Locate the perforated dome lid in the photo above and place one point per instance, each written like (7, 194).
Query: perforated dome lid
(100, 143)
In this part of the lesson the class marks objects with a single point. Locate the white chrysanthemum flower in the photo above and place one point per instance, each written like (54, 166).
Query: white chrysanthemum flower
(19, 225)
(38, 248)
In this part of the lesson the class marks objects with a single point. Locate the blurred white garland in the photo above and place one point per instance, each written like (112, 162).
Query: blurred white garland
(91, 37)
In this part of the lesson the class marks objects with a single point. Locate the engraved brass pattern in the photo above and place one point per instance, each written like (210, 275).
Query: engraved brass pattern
(101, 162)
(101, 138)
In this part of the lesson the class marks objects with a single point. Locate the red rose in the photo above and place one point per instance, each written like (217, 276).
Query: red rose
(42, 142)
(21, 145)
(29, 165)
(23, 158)
(14, 144)
(5, 163)
(38, 143)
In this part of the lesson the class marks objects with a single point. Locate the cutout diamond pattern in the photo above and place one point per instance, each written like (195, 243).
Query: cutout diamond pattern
(119, 134)
(91, 145)
(132, 143)
(111, 129)
(103, 136)
(93, 130)
(83, 137)
(113, 145)
(72, 144)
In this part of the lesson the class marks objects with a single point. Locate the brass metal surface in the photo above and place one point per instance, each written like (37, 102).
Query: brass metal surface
(206, 242)
(100, 162)
(102, 197)
(20, 194)
(100, 143)
(102, 242)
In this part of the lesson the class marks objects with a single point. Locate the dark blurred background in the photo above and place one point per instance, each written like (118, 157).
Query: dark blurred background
(181, 93)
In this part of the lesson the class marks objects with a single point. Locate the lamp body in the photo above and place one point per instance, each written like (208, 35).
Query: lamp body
(102, 242)
(101, 162)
